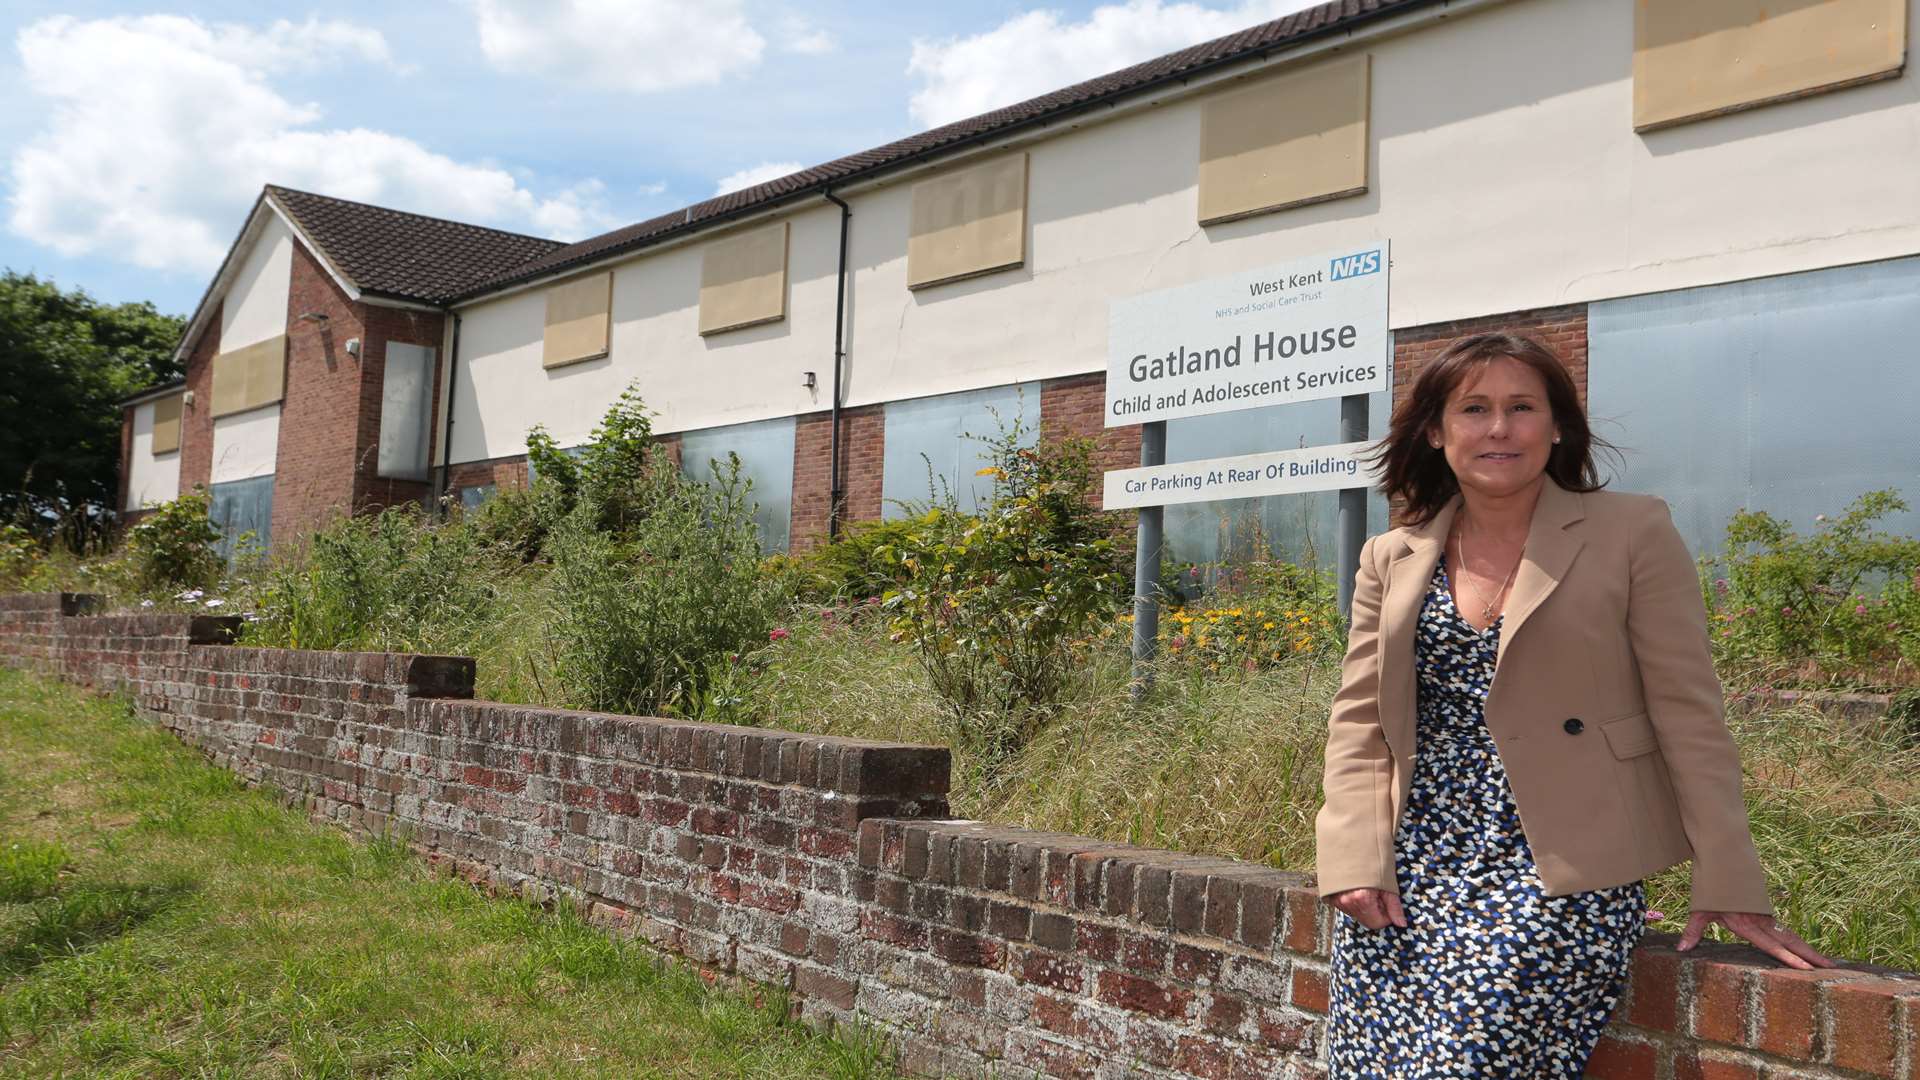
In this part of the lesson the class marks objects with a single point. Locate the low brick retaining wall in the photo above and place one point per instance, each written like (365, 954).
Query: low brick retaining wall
(827, 866)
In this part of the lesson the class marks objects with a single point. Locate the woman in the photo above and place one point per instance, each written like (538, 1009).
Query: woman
(1528, 725)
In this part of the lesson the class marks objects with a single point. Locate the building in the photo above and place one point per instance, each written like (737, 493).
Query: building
(1710, 207)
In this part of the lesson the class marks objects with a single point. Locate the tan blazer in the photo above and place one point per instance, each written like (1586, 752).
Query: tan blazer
(1604, 706)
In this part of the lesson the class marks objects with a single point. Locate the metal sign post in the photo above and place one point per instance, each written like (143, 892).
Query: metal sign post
(1148, 540)
(1305, 330)
(1351, 524)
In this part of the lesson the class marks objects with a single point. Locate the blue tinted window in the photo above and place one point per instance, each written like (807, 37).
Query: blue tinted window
(766, 458)
(239, 508)
(1790, 394)
(929, 452)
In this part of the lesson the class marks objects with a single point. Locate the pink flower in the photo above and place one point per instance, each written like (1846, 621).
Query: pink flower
(778, 633)
(1786, 611)
(1655, 916)
(1859, 609)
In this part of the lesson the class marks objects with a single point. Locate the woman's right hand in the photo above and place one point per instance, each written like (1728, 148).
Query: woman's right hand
(1372, 908)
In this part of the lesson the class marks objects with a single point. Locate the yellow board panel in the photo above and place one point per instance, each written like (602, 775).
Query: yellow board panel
(166, 425)
(743, 280)
(972, 221)
(578, 313)
(249, 376)
(1294, 139)
(1698, 58)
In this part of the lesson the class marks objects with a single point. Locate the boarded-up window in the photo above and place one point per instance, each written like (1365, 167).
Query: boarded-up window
(406, 404)
(250, 376)
(578, 314)
(1699, 58)
(1290, 140)
(968, 222)
(166, 424)
(743, 280)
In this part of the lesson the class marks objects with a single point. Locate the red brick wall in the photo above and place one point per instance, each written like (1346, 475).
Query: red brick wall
(821, 866)
(319, 415)
(508, 473)
(126, 458)
(1563, 329)
(196, 420)
(1076, 407)
(863, 433)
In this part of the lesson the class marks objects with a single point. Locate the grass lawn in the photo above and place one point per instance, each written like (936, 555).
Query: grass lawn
(157, 919)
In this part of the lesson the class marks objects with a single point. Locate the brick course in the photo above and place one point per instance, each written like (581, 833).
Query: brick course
(196, 419)
(826, 866)
(328, 457)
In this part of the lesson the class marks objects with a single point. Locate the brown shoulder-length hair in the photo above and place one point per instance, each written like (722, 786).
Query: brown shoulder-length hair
(1417, 474)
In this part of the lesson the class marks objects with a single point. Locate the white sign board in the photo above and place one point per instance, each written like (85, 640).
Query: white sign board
(1306, 329)
(1279, 472)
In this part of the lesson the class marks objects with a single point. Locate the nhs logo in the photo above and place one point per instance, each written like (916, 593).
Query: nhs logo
(1357, 265)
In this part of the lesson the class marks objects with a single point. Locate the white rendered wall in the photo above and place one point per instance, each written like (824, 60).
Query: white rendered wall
(244, 444)
(1505, 171)
(151, 479)
(255, 307)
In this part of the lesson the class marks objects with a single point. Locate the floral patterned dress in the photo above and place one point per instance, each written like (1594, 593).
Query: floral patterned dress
(1491, 977)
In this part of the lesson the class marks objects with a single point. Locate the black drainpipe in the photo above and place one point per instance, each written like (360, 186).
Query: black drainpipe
(446, 439)
(834, 492)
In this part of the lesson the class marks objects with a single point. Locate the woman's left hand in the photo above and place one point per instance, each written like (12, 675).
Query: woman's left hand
(1772, 938)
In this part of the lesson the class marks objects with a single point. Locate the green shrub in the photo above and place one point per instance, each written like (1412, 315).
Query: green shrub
(519, 520)
(391, 581)
(19, 555)
(172, 549)
(1000, 607)
(609, 473)
(647, 618)
(1811, 604)
(857, 565)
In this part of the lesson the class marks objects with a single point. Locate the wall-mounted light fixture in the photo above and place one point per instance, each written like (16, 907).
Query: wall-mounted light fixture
(810, 381)
(314, 317)
(353, 346)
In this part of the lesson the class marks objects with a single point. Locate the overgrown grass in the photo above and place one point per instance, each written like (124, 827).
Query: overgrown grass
(1230, 763)
(156, 919)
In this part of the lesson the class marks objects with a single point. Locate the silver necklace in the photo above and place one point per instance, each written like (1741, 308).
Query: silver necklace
(1486, 612)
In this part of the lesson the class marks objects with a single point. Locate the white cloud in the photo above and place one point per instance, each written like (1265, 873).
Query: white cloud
(1031, 54)
(797, 35)
(759, 174)
(638, 46)
(158, 130)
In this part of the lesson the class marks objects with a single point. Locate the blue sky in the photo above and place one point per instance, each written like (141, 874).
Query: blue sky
(133, 138)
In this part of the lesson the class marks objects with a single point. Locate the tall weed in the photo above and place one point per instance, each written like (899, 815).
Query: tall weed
(646, 618)
(394, 581)
(1000, 606)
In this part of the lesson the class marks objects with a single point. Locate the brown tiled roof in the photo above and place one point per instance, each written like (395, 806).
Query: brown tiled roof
(1327, 18)
(394, 254)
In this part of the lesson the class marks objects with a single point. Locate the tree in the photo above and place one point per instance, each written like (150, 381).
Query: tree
(66, 362)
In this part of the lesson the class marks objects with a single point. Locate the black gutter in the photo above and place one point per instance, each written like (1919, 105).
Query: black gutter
(1044, 119)
(446, 438)
(835, 496)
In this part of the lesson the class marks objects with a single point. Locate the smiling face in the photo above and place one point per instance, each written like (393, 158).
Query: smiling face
(1497, 429)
